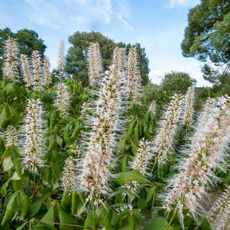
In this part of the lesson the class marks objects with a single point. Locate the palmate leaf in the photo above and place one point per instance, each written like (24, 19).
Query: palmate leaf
(124, 177)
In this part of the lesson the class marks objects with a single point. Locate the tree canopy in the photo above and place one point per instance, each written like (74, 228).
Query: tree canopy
(28, 41)
(207, 35)
(76, 59)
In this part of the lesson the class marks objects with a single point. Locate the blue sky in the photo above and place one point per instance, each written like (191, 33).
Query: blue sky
(157, 24)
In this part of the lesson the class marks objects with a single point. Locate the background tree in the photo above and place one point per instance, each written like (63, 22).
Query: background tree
(176, 82)
(76, 59)
(28, 40)
(173, 82)
(207, 36)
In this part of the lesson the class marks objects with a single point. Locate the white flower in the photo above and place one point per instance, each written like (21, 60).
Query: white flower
(134, 77)
(188, 107)
(26, 70)
(119, 59)
(11, 136)
(152, 107)
(142, 158)
(206, 154)
(11, 60)
(167, 129)
(61, 57)
(38, 81)
(95, 167)
(68, 174)
(46, 71)
(33, 140)
(62, 100)
(95, 64)
(219, 214)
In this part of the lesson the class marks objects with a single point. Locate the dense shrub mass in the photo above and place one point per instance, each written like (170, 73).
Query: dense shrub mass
(114, 155)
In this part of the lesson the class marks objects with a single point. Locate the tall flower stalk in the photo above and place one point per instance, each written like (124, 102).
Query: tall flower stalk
(186, 191)
(46, 71)
(188, 107)
(119, 59)
(95, 167)
(11, 136)
(140, 162)
(219, 214)
(134, 77)
(61, 57)
(11, 60)
(95, 64)
(33, 136)
(26, 70)
(68, 174)
(152, 107)
(167, 129)
(62, 100)
(38, 81)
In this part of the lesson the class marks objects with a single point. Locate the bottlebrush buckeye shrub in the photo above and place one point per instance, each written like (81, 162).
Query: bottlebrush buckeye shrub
(91, 166)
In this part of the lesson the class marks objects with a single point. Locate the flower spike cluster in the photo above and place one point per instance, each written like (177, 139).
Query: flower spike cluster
(38, 81)
(26, 70)
(219, 215)
(206, 155)
(61, 57)
(11, 60)
(140, 163)
(143, 156)
(152, 107)
(46, 71)
(119, 58)
(33, 140)
(62, 100)
(134, 77)
(68, 174)
(95, 168)
(11, 136)
(188, 108)
(168, 126)
(95, 64)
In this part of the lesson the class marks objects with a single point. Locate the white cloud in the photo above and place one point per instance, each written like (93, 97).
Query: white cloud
(78, 14)
(126, 23)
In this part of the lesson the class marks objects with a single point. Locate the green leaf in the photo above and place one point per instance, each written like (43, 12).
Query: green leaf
(73, 203)
(35, 207)
(131, 222)
(204, 225)
(10, 209)
(157, 223)
(105, 217)
(23, 203)
(49, 217)
(124, 177)
(150, 194)
(7, 164)
(21, 227)
(15, 176)
(66, 220)
(66, 199)
(90, 221)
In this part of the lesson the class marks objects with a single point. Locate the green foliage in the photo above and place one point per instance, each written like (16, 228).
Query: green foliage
(206, 36)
